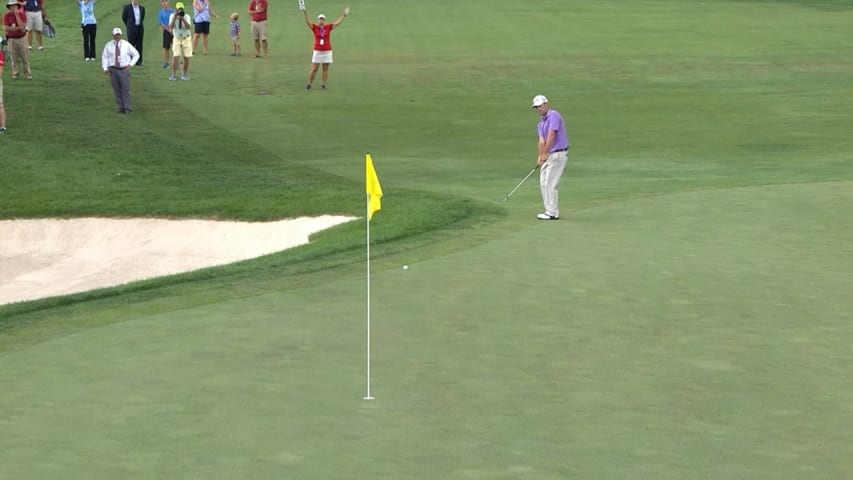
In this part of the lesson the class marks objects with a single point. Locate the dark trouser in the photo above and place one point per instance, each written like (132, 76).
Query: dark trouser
(89, 32)
(134, 36)
(167, 41)
(120, 80)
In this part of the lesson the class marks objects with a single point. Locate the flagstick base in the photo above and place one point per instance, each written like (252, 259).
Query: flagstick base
(368, 398)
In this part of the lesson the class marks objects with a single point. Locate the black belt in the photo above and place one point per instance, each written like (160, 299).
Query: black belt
(116, 68)
(561, 150)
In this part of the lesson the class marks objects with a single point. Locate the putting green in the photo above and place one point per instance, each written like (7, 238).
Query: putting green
(703, 333)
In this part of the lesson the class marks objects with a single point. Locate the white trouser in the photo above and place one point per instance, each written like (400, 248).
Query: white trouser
(549, 178)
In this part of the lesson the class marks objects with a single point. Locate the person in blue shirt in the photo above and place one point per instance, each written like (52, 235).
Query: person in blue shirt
(163, 18)
(89, 26)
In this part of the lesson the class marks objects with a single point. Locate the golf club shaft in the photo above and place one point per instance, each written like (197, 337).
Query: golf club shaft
(521, 182)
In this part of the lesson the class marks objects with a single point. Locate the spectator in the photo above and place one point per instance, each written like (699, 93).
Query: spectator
(258, 9)
(35, 21)
(203, 11)
(89, 26)
(322, 46)
(234, 29)
(117, 58)
(2, 108)
(182, 46)
(133, 16)
(163, 20)
(15, 27)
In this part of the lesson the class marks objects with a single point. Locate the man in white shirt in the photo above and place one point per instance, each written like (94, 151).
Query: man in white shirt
(117, 58)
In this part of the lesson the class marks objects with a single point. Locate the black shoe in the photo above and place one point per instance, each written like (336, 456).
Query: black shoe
(322, 87)
(308, 87)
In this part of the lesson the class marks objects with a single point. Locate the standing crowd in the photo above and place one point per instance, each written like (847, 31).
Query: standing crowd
(24, 21)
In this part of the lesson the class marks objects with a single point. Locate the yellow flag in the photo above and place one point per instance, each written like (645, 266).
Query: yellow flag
(374, 190)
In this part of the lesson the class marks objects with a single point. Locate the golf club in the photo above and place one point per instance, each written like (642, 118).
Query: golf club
(519, 184)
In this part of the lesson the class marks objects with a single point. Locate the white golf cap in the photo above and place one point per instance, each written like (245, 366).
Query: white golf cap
(321, 16)
(538, 100)
(116, 31)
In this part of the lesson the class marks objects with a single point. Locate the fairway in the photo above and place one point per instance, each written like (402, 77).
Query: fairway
(687, 317)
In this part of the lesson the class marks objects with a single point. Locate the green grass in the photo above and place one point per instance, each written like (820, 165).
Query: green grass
(688, 317)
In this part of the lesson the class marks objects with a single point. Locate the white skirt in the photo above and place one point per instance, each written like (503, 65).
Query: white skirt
(322, 56)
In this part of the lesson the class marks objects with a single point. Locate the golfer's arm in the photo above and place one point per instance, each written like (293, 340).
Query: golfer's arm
(549, 141)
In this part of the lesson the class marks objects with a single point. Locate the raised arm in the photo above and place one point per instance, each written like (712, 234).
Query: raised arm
(341, 18)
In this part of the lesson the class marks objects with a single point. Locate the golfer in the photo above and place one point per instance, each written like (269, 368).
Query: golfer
(553, 152)
(322, 45)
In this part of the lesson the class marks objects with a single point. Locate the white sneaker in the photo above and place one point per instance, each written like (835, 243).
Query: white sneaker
(172, 78)
(545, 216)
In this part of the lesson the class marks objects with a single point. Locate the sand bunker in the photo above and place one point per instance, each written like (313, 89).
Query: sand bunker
(48, 257)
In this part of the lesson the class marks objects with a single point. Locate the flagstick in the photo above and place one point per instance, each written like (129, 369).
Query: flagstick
(368, 396)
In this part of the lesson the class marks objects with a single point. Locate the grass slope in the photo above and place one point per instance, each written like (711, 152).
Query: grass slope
(686, 318)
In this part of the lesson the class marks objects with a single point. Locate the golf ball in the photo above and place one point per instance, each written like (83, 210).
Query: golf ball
(405, 267)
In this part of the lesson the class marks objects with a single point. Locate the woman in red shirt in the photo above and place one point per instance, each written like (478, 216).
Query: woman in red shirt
(2, 108)
(322, 45)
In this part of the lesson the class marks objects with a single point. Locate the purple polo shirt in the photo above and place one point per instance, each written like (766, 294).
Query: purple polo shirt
(553, 121)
